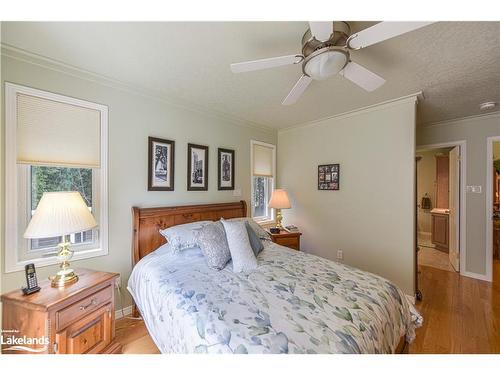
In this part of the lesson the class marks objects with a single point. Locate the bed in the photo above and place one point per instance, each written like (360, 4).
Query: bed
(292, 303)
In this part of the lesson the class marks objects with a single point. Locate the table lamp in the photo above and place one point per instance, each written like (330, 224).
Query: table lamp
(279, 200)
(61, 214)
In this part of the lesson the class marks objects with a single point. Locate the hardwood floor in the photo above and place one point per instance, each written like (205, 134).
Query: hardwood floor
(134, 337)
(461, 315)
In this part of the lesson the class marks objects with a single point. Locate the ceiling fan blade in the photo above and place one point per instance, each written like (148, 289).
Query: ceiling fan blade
(272, 62)
(382, 31)
(321, 30)
(362, 77)
(297, 90)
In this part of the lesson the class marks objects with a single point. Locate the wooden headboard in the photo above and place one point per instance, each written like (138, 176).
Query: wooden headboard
(147, 222)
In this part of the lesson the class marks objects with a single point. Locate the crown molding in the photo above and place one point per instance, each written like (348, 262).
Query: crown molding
(459, 120)
(19, 54)
(374, 107)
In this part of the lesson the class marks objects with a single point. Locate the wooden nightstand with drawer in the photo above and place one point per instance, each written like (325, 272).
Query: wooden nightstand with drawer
(288, 239)
(77, 319)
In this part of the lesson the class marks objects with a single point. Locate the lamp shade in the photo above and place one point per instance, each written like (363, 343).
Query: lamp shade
(279, 199)
(58, 214)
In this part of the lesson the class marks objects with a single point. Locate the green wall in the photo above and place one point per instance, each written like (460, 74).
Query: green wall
(133, 117)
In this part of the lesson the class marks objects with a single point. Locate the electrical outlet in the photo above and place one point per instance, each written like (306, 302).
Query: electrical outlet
(340, 255)
(118, 282)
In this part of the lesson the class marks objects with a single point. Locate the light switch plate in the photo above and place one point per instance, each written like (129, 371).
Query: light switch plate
(474, 189)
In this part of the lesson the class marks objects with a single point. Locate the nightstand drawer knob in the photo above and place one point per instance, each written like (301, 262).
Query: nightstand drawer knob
(93, 302)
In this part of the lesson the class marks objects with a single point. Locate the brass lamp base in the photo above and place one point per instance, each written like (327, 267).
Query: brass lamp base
(279, 218)
(63, 278)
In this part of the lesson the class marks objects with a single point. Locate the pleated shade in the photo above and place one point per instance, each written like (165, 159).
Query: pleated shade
(279, 199)
(54, 133)
(58, 214)
(262, 161)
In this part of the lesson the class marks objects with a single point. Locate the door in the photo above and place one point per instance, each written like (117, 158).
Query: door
(90, 334)
(454, 200)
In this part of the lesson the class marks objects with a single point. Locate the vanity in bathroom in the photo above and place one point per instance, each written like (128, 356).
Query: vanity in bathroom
(440, 228)
(440, 216)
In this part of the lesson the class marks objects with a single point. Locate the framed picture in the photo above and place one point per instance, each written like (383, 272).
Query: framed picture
(225, 167)
(161, 154)
(329, 177)
(197, 175)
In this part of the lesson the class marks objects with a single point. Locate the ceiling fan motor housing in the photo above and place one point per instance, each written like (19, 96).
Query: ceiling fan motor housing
(325, 59)
(341, 31)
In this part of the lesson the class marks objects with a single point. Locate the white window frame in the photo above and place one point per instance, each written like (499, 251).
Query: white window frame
(263, 220)
(12, 193)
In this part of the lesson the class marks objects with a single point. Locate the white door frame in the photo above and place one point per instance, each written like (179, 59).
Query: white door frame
(489, 206)
(463, 179)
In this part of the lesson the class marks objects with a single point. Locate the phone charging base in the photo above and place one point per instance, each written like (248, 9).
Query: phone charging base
(27, 291)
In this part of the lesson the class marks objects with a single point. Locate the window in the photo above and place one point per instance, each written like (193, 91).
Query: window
(263, 160)
(46, 179)
(53, 143)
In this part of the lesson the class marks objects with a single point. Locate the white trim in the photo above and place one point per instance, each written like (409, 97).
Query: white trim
(252, 143)
(61, 67)
(489, 206)
(459, 120)
(12, 261)
(463, 209)
(126, 311)
(374, 107)
(474, 275)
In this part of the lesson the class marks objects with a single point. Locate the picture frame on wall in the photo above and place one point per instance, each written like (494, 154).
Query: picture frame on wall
(225, 168)
(329, 177)
(161, 164)
(197, 174)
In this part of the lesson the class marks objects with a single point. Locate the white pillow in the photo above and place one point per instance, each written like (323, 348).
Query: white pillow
(259, 231)
(239, 245)
(182, 236)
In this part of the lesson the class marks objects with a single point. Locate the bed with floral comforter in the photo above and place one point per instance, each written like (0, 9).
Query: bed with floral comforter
(292, 303)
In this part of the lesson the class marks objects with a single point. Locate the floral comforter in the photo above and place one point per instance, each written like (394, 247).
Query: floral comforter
(293, 303)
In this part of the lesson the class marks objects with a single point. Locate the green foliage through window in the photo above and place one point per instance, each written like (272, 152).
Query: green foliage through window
(48, 179)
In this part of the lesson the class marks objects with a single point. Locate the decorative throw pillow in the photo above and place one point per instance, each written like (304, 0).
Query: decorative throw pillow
(239, 245)
(259, 231)
(255, 241)
(182, 236)
(213, 243)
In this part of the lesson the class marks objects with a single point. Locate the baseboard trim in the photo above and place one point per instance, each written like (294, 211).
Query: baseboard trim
(126, 311)
(478, 276)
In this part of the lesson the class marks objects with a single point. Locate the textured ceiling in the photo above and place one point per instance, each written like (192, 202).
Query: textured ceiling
(455, 64)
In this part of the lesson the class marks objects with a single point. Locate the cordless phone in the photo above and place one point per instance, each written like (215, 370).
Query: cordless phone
(31, 280)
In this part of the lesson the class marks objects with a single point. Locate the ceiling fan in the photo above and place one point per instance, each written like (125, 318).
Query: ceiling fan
(325, 52)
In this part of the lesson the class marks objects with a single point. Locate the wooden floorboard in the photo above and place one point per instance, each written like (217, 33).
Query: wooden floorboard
(461, 315)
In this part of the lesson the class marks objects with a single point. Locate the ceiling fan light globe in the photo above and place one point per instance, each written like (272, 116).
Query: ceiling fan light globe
(325, 65)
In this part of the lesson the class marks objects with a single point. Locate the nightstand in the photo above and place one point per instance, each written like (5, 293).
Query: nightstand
(288, 239)
(77, 319)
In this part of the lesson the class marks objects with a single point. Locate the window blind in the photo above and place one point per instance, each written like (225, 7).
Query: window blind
(55, 133)
(262, 161)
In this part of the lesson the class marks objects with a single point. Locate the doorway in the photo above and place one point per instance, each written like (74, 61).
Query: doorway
(439, 207)
(493, 210)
